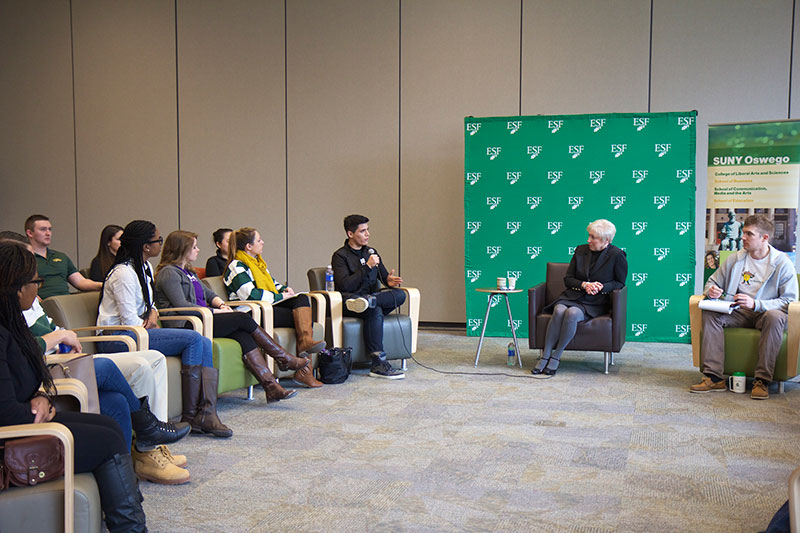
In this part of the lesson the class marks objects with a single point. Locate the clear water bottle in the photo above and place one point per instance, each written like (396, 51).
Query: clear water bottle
(512, 354)
(329, 279)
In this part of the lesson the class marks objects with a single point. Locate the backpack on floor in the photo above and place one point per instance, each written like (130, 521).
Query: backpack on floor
(334, 365)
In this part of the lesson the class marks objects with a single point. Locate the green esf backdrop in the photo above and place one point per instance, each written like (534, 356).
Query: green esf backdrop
(533, 184)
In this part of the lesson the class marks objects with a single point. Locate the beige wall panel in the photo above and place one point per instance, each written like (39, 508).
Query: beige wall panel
(727, 59)
(126, 131)
(37, 164)
(232, 121)
(342, 76)
(585, 57)
(458, 59)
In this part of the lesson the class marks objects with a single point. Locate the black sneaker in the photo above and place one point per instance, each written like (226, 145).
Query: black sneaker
(385, 370)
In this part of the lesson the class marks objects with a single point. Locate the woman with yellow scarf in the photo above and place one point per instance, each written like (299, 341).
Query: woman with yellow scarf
(247, 278)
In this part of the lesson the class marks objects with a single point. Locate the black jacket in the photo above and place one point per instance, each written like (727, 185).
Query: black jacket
(18, 382)
(216, 265)
(610, 269)
(352, 276)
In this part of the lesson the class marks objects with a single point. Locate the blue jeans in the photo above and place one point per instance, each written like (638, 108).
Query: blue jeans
(193, 348)
(116, 397)
(385, 303)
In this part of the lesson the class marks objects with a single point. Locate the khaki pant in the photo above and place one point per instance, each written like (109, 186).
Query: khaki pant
(772, 325)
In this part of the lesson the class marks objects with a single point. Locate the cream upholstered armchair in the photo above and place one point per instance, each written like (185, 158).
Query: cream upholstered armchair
(399, 330)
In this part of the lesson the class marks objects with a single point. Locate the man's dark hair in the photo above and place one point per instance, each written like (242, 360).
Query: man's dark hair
(352, 222)
(31, 221)
(220, 233)
(13, 236)
(763, 223)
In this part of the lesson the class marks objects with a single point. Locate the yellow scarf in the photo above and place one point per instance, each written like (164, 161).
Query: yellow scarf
(258, 268)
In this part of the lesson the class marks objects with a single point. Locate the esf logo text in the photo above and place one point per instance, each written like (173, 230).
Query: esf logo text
(473, 127)
(575, 201)
(660, 304)
(660, 201)
(513, 177)
(637, 329)
(516, 274)
(596, 175)
(661, 253)
(473, 177)
(575, 150)
(493, 152)
(683, 227)
(493, 201)
(683, 278)
(513, 126)
(638, 278)
(473, 226)
(662, 149)
(474, 275)
(571, 250)
(495, 300)
(638, 227)
(640, 123)
(554, 175)
(553, 227)
(493, 251)
(554, 125)
(685, 122)
(534, 151)
(513, 227)
(597, 124)
(534, 201)
(618, 201)
(683, 174)
(682, 330)
(517, 324)
(618, 149)
(534, 251)
(639, 175)
(474, 323)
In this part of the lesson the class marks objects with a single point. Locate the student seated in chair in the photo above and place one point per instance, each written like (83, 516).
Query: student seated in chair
(762, 281)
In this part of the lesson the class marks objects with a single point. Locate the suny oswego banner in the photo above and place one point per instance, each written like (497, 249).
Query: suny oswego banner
(752, 168)
(533, 184)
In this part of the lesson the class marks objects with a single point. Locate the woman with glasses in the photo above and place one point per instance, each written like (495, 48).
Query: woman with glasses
(127, 299)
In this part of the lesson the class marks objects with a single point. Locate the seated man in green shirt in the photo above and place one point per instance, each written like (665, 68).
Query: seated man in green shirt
(54, 267)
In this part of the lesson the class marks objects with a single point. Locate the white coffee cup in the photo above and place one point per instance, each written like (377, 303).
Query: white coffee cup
(512, 283)
(737, 382)
(501, 284)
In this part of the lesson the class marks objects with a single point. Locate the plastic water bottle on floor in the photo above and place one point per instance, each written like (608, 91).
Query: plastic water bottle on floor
(512, 354)
(329, 286)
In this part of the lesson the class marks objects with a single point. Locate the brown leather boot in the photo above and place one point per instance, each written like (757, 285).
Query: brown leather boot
(302, 326)
(286, 361)
(254, 362)
(306, 376)
(191, 379)
(207, 420)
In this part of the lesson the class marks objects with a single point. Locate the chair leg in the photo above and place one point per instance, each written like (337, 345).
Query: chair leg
(780, 387)
(612, 358)
(404, 366)
(607, 358)
(250, 392)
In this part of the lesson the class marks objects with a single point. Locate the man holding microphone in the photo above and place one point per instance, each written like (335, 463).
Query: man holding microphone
(762, 281)
(357, 271)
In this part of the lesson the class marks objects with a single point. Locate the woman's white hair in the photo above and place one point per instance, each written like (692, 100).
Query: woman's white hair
(603, 228)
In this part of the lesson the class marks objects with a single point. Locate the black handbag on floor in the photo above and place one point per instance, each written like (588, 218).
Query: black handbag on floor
(334, 365)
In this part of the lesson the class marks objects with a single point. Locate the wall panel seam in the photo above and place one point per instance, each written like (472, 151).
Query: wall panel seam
(74, 136)
(650, 60)
(177, 113)
(286, 136)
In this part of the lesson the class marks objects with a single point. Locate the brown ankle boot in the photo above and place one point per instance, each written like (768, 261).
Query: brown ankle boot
(191, 380)
(254, 362)
(306, 376)
(302, 326)
(286, 361)
(207, 419)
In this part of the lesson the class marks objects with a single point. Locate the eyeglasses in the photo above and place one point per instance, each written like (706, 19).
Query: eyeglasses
(38, 281)
(160, 240)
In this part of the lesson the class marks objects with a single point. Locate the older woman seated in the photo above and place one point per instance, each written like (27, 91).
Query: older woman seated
(596, 269)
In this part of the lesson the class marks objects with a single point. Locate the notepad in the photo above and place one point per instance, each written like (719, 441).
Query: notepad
(718, 306)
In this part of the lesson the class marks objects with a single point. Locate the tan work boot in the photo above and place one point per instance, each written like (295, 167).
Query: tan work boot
(178, 460)
(153, 466)
(708, 385)
(760, 390)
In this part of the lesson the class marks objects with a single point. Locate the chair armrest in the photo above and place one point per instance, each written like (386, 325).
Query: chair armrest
(266, 312)
(63, 434)
(793, 342)
(334, 299)
(412, 297)
(129, 342)
(255, 308)
(206, 327)
(75, 388)
(619, 318)
(142, 337)
(696, 327)
(535, 306)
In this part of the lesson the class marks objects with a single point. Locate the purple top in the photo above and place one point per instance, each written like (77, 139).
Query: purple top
(198, 288)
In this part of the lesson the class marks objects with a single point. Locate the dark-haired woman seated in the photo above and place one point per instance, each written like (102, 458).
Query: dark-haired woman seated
(596, 269)
(100, 447)
(216, 264)
(178, 286)
(106, 252)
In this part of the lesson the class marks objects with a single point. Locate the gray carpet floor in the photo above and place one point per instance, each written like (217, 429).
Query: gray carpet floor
(584, 451)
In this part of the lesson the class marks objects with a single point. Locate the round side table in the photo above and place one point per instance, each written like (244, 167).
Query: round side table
(491, 293)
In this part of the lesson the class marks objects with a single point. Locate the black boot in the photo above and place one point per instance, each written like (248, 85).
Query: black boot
(120, 496)
(150, 431)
